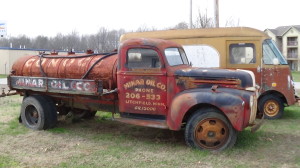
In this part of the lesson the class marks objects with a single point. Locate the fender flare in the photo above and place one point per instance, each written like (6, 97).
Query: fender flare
(232, 106)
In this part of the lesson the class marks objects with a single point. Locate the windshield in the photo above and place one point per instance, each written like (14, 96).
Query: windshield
(175, 56)
(271, 53)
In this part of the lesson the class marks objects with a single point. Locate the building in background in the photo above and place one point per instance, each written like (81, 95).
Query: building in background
(9, 55)
(286, 38)
(3, 30)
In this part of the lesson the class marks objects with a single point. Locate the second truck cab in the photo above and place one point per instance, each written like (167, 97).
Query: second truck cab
(238, 48)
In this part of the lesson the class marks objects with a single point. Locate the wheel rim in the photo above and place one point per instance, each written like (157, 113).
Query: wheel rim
(271, 108)
(211, 133)
(32, 115)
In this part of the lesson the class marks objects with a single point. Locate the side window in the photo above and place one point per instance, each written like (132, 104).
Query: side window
(202, 55)
(242, 53)
(141, 58)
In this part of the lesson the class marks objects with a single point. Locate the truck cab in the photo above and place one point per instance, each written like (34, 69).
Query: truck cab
(158, 87)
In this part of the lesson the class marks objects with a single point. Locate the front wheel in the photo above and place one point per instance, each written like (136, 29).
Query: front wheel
(271, 106)
(209, 130)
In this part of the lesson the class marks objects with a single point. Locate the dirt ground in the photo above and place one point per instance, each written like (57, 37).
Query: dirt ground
(104, 143)
(3, 86)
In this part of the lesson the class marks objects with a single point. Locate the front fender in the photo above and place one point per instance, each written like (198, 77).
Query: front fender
(231, 105)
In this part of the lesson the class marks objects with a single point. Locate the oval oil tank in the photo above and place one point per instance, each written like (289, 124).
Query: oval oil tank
(93, 66)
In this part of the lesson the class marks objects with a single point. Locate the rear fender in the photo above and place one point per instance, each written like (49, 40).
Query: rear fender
(231, 105)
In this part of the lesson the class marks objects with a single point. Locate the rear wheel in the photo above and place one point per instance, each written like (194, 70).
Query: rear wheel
(271, 106)
(209, 130)
(38, 112)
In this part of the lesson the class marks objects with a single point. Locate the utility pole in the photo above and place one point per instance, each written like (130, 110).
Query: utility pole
(191, 14)
(217, 13)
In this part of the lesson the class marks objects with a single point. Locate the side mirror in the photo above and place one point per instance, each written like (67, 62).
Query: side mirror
(191, 64)
(275, 61)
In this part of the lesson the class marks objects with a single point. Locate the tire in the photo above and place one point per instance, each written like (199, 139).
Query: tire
(38, 112)
(207, 129)
(271, 106)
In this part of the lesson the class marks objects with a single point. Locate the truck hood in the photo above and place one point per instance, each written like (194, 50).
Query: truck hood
(222, 77)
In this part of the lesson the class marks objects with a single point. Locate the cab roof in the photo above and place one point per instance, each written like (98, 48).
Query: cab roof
(159, 43)
(197, 33)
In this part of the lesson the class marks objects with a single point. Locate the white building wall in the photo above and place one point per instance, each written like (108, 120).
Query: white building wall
(269, 33)
(4, 61)
(9, 56)
(291, 33)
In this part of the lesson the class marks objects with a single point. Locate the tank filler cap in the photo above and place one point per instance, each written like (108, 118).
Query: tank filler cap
(54, 52)
(89, 51)
(71, 52)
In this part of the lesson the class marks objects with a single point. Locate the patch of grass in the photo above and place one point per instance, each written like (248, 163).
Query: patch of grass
(3, 76)
(59, 130)
(297, 160)
(241, 166)
(8, 162)
(103, 115)
(247, 140)
(13, 127)
(296, 76)
(101, 142)
(291, 112)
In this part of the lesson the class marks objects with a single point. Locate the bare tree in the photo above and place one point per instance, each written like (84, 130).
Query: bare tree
(59, 42)
(203, 21)
(231, 22)
(144, 28)
(103, 41)
(181, 25)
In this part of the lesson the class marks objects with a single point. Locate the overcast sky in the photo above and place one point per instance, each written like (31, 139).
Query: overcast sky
(49, 17)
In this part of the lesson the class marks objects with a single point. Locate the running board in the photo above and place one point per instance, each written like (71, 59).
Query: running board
(146, 123)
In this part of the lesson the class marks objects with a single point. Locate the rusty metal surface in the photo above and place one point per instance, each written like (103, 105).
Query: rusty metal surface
(220, 76)
(211, 133)
(169, 90)
(275, 79)
(69, 68)
(233, 103)
(144, 90)
(57, 85)
(145, 123)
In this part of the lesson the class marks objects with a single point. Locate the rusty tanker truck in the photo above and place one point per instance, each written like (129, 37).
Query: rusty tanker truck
(148, 82)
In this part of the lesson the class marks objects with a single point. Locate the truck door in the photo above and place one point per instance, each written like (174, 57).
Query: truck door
(276, 77)
(142, 82)
(245, 55)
